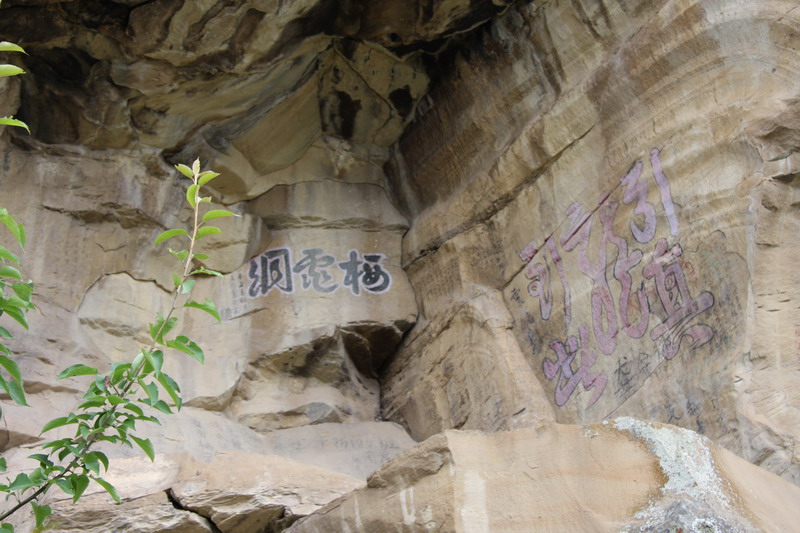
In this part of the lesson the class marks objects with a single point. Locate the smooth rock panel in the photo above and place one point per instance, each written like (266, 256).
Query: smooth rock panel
(548, 478)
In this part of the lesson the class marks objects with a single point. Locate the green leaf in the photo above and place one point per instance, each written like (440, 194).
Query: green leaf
(92, 464)
(4, 333)
(176, 280)
(109, 488)
(94, 401)
(146, 446)
(41, 458)
(162, 406)
(6, 528)
(191, 194)
(152, 392)
(79, 484)
(56, 444)
(118, 371)
(65, 485)
(172, 389)
(129, 424)
(205, 231)
(186, 287)
(3, 465)
(132, 407)
(21, 482)
(16, 229)
(10, 70)
(161, 328)
(201, 257)
(77, 370)
(156, 359)
(169, 234)
(168, 326)
(6, 46)
(11, 272)
(218, 213)
(203, 270)
(100, 456)
(206, 176)
(13, 310)
(100, 384)
(137, 361)
(57, 423)
(186, 346)
(23, 290)
(181, 254)
(196, 166)
(17, 393)
(183, 169)
(207, 306)
(11, 121)
(6, 254)
(41, 513)
(37, 476)
(115, 400)
(11, 367)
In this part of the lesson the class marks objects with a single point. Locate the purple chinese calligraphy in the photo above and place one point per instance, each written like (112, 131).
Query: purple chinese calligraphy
(318, 271)
(568, 379)
(678, 304)
(611, 263)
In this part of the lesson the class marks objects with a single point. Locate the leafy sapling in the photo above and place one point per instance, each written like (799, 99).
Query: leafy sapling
(115, 401)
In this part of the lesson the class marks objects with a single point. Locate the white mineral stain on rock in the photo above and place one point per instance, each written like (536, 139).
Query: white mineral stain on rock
(407, 504)
(684, 458)
(694, 497)
(474, 516)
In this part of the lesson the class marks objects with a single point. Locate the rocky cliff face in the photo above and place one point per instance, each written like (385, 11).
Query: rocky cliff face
(507, 218)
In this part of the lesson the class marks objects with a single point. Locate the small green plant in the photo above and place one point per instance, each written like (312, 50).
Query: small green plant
(127, 393)
(15, 302)
(11, 70)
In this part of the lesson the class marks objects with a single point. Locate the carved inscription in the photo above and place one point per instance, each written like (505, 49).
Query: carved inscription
(313, 269)
(628, 293)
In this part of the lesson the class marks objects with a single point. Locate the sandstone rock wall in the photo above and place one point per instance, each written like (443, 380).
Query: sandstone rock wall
(620, 175)
(477, 215)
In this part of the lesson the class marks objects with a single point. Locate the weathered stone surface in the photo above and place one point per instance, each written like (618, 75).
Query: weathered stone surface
(463, 370)
(415, 23)
(226, 476)
(149, 514)
(651, 476)
(350, 81)
(328, 204)
(243, 493)
(599, 198)
(355, 449)
(623, 230)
